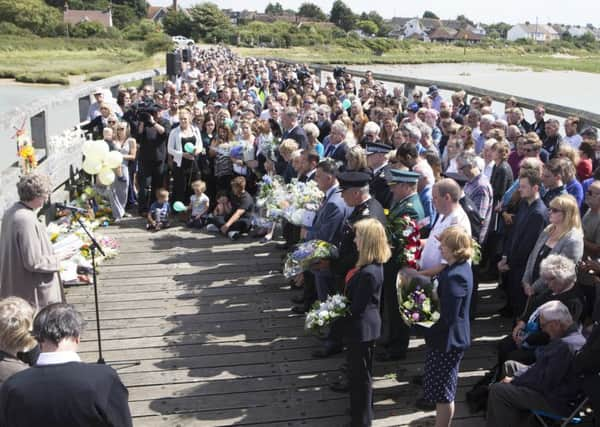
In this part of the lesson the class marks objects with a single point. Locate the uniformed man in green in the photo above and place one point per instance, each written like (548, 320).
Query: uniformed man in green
(406, 201)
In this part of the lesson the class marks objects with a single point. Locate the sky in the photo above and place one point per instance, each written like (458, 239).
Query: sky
(571, 12)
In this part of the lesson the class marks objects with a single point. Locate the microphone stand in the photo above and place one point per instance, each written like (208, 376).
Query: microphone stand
(95, 245)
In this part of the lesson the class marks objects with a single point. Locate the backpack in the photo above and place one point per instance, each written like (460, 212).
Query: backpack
(474, 218)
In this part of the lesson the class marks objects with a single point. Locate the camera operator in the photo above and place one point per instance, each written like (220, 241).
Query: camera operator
(153, 134)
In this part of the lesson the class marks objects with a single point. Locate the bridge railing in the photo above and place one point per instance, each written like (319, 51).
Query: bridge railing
(46, 118)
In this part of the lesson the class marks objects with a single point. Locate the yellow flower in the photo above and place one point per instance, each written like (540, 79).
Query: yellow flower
(386, 212)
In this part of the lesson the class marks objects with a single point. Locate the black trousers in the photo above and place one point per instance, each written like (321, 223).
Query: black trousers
(182, 177)
(242, 225)
(591, 387)
(398, 331)
(151, 177)
(309, 289)
(360, 370)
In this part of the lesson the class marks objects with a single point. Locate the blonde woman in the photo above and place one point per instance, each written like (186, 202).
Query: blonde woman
(363, 288)
(356, 160)
(447, 340)
(563, 236)
(121, 186)
(16, 317)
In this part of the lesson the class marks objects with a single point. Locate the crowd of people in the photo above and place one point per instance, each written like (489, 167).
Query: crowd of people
(526, 194)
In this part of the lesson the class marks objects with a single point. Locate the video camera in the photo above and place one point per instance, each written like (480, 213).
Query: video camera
(142, 111)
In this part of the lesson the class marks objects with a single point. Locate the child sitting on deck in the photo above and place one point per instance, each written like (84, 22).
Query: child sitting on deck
(158, 215)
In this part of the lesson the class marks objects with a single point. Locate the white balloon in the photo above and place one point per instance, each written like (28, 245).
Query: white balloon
(86, 148)
(106, 176)
(113, 159)
(92, 165)
(97, 150)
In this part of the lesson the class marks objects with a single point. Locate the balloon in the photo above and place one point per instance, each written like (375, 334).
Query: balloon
(189, 148)
(178, 206)
(85, 148)
(113, 159)
(97, 150)
(346, 104)
(91, 165)
(229, 123)
(106, 176)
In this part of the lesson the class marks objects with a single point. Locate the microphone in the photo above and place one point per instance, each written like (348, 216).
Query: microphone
(70, 208)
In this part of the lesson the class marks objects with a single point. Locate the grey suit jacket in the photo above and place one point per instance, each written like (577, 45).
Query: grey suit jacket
(328, 221)
(570, 246)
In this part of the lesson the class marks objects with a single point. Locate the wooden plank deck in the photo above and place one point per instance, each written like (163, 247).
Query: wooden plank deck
(209, 321)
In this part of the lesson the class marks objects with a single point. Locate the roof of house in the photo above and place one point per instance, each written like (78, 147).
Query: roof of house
(153, 11)
(539, 28)
(465, 34)
(79, 16)
(443, 33)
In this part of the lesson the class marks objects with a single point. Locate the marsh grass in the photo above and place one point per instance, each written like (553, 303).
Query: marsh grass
(433, 53)
(40, 60)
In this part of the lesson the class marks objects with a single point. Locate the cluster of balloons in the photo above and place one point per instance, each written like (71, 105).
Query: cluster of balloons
(100, 161)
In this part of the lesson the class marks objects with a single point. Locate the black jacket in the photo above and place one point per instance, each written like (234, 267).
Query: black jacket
(70, 394)
(364, 292)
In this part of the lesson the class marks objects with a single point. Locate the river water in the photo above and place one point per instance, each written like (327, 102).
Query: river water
(569, 88)
(14, 95)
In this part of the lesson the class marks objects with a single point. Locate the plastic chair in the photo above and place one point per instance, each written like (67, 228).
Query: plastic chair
(542, 416)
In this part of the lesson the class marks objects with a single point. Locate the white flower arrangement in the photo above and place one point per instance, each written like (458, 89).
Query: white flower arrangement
(324, 313)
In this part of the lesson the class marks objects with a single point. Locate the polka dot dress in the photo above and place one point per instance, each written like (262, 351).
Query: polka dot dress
(441, 375)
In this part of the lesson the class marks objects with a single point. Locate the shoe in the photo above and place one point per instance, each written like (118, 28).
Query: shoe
(326, 352)
(417, 380)
(212, 228)
(298, 309)
(298, 299)
(233, 235)
(425, 405)
(342, 386)
(506, 311)
(388, 357)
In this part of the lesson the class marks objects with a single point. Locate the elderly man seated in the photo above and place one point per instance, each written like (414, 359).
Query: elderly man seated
(548, 385)
(559, 274)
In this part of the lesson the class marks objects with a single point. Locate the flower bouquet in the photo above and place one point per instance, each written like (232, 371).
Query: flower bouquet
(305, 254)
(405, 240)
(304, 200)
(322, 314)
(418, 301)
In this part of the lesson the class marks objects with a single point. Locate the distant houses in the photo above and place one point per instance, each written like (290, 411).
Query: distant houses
(74, 17)
(537, 32)
(438, 30)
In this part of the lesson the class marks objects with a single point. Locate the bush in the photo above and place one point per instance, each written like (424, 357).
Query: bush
(157, 42)
(8, 28)
(87, 29)
(141, 30)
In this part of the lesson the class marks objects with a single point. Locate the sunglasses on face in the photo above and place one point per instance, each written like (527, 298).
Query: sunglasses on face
(555, 210)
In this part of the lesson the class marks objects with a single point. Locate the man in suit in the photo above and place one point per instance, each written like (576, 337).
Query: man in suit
(406, 202)
(310, 161)
(337, 147)
(60, 390)
(327, 226)
(530, 220)
(378, 162)
(291, 129)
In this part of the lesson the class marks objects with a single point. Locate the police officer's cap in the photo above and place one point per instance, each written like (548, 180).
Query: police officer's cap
(376, 147)
(400, 175)
(353, 180)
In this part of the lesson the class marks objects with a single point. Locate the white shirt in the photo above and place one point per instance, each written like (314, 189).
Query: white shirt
(432, 255)
(57, 357)
(574, 140)
(199, 204)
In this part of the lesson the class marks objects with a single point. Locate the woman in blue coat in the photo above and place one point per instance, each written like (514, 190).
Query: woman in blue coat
(363, 325)
(450, 336)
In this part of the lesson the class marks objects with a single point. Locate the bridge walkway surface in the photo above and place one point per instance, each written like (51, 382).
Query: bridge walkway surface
(209, 321)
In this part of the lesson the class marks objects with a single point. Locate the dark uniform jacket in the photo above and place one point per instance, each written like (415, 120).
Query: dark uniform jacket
(380, 189)
(364, 292)
(348, 254)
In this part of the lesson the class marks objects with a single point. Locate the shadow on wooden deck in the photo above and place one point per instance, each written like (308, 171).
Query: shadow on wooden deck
(210, 322)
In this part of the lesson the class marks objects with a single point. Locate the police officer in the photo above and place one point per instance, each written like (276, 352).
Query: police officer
(355, 192)
(378, 163)
(403, 184)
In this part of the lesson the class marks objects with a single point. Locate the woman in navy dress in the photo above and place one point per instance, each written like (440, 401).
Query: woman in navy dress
(450, 336)
(363, 325)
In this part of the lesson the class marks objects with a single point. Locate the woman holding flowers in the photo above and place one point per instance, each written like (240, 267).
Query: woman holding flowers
(363, 326)
(450, 336)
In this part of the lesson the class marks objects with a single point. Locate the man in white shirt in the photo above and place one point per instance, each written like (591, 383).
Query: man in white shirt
(571, 136)
(446, 194)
